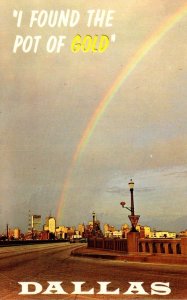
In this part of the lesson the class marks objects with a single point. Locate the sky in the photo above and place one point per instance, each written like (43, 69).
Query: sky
(48, 100)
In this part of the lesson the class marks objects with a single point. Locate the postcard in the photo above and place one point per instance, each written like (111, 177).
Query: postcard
(93, 149)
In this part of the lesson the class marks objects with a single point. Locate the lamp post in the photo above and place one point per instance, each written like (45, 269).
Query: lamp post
(93, 215)
(132, 217)
(131, 187)
(7, 231)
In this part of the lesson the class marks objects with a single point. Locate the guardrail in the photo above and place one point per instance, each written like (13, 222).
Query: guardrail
(144, 245)
(160, 246)
(108, 244)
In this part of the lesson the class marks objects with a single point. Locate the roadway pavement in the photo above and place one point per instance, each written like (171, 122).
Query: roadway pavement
(53, 262)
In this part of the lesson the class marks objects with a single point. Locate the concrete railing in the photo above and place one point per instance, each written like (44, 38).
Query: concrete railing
(163, 246)
(108, 244)
(144, 245)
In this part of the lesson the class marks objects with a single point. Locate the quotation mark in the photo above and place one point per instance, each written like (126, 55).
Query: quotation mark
(15, 13)
(18, 15)
(113, 38)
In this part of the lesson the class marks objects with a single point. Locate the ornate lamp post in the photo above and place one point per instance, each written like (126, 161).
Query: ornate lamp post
(132, 217)
(131, 187)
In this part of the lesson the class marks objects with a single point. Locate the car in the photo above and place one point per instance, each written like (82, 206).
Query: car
(83, 240)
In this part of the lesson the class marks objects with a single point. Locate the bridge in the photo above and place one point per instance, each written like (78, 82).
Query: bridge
(165, 250)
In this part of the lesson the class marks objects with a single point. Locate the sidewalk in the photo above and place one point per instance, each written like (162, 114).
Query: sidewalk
(97, 253)
(83, 251)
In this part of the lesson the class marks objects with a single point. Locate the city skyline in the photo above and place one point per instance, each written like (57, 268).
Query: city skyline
(49, 100)
(43, 219)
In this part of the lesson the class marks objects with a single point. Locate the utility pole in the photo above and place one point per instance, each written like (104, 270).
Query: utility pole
(7, 233)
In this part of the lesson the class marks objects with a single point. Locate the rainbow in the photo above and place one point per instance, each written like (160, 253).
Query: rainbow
(144, 49)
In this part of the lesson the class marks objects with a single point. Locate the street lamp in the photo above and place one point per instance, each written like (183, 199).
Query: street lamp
(131, 186)
(132, 217)
(93, 215)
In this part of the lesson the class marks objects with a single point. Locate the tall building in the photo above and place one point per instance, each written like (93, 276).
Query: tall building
(36, 222)
(17, 233)
(29, 222)
(52, 225)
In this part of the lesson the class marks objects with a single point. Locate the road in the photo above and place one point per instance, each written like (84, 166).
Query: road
(52, 262)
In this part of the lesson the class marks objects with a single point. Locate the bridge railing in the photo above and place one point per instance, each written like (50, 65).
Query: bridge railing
(160, 246)
(144, 245)
(108, 244)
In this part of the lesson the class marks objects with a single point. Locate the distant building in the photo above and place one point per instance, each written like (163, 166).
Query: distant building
(17, 233)
(14, 233)
(36, 223)
(88, 230)
(97, 229)
(108, 228)
(183, 233)
(125, 229)
(124, 226)
(52, 225)
(81, 229)
(44, 235)
(145, 231)
(117, 234)
(91, 230)
(46, 225)
(162, 234)
(61, 232)
(10, 234)
(111, 232)
(70, 232)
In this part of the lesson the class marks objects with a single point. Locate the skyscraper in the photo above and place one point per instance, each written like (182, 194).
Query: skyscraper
(36, 222)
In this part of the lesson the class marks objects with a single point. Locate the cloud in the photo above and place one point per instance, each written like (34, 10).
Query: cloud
(118, 190)
(177, 173)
